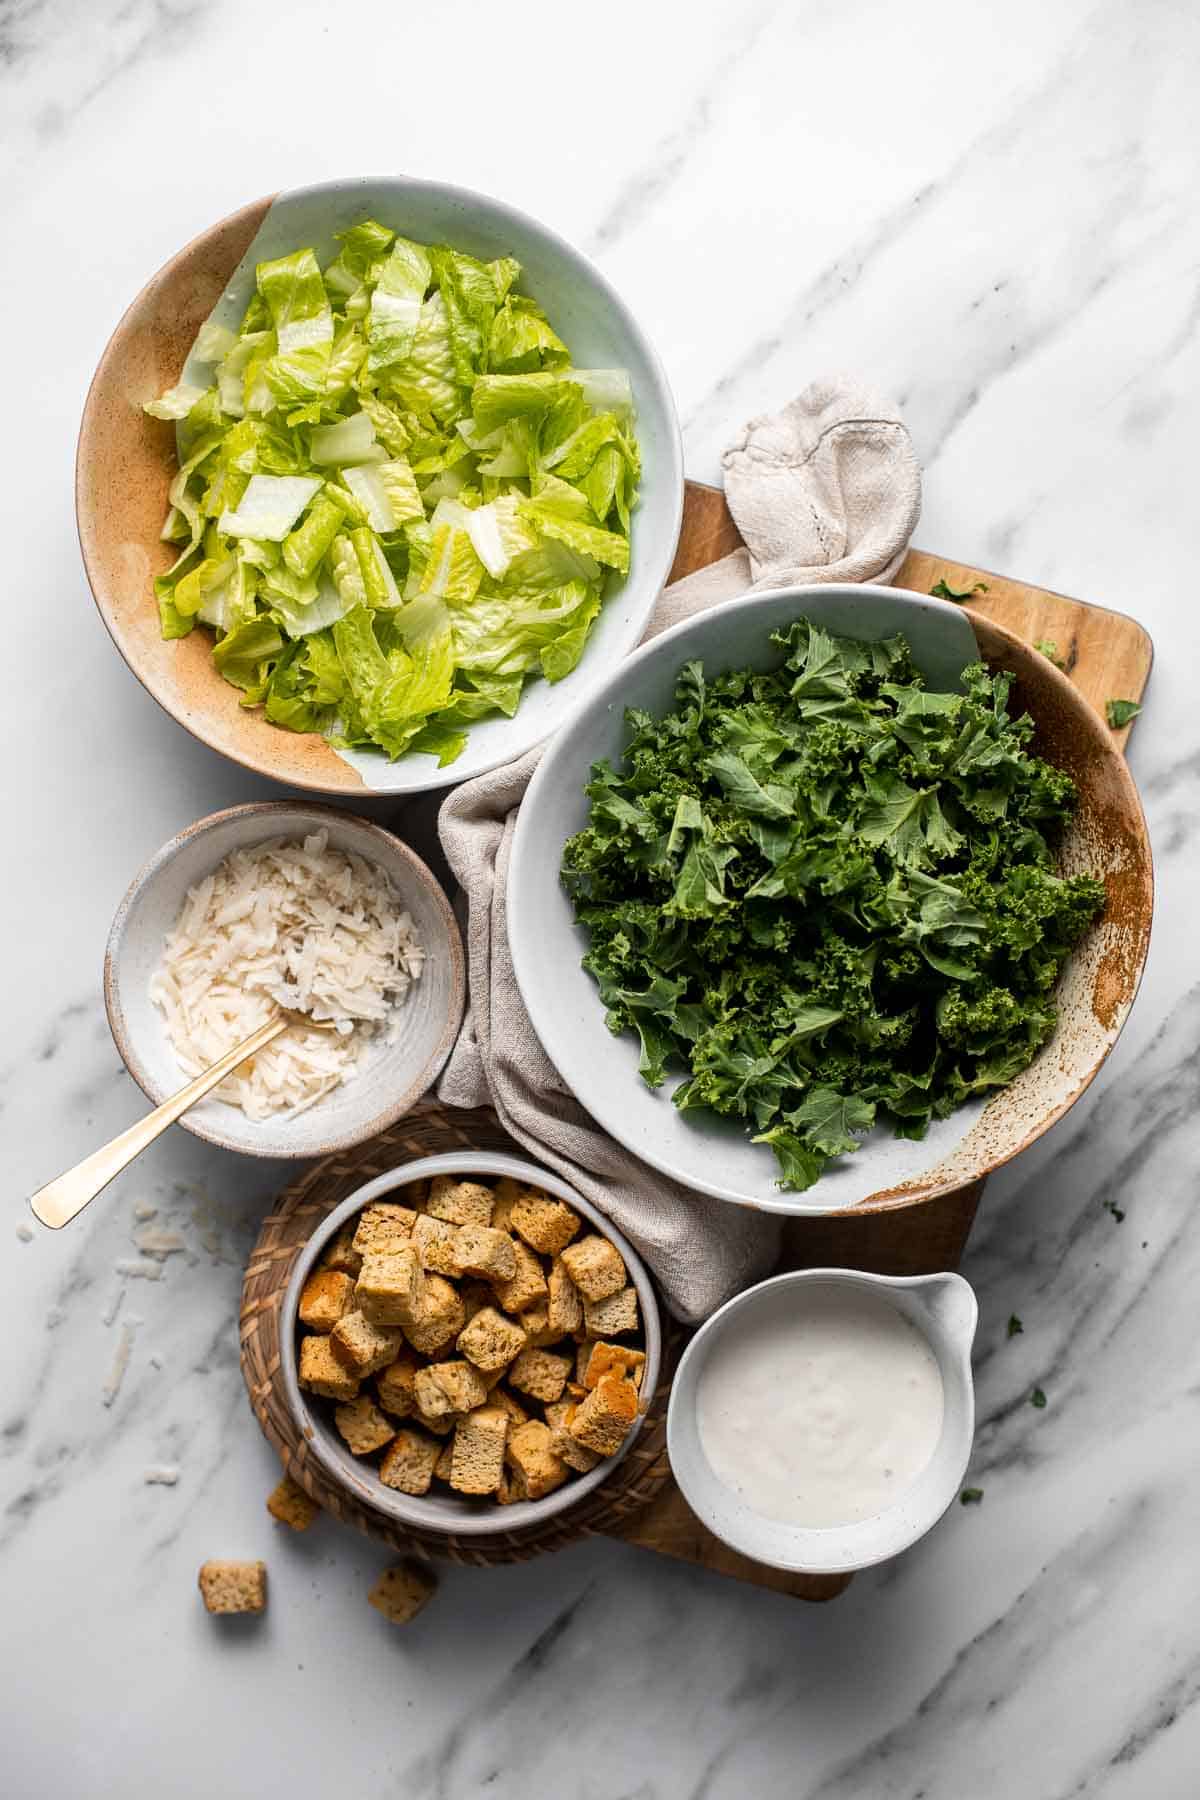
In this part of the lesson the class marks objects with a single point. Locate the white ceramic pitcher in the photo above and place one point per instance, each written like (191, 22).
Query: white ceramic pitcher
(944, 1310)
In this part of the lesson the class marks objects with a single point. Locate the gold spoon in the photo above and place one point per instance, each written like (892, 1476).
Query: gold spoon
(60, 1200)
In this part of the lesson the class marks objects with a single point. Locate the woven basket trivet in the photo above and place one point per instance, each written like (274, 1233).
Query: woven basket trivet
(428, 1130)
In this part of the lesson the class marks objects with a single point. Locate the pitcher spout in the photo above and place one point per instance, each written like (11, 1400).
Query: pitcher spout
(951, 1305)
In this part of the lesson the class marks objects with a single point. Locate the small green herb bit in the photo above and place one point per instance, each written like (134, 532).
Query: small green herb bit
(1015, 1326)
(828, 896)
(1049, 650)
(1110, 1206)
(1037, 1398)
(970, 1496)
(1119, 712)
(941, 590)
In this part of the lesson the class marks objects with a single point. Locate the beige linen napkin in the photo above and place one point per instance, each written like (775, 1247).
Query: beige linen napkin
(829, 489)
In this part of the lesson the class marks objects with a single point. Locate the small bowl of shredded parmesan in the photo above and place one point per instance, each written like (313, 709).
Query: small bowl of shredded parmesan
(287, 905)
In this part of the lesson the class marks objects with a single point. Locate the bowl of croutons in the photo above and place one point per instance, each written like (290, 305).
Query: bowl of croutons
(466, 1334)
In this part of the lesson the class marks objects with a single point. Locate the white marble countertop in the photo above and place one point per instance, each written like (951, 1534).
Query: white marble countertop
(988, 211)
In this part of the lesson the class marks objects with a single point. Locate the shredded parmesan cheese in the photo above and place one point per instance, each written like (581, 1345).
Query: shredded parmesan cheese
(120, 1363)
(152, 1241)
(138, 1268)
(298, 925)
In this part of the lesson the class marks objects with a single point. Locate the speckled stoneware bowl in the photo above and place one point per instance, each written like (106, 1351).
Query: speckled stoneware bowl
(126, 460)
(455, 1514)
(943, 1310)
(392, 1077)
(1107, 838)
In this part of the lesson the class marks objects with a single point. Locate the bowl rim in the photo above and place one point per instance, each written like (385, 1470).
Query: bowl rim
(393, 847)
(607, 692)
(354, 1475)
(805, 1559)
(90, 424)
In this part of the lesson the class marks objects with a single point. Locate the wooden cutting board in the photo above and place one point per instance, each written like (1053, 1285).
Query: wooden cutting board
(1107, 655)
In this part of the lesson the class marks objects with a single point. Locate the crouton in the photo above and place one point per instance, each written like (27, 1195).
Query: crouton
(234, 1587)
(478, 1459)
(436, 1243)
(341, 1254)
(447, 1387)
(390, 1285)
(438, 1318)
(408, 1461)
(444, 1463)
(576, 1456)
(289, 1503)
(440, 1424)
(530, 1454)
(504, 1197)
(321, 1372)
(604, 1418)
(540, 1372)
(415, 1194)
(382, 1228)
(527, 1286)
(612, 1316)
(363, 1347)
(326, 1295)
(482, 1251)
(564, 1306)
(363, 1426)
(394, 1386)
(475, 1295)
(595, 1266)
(613, 1359)
(511, 1488)
(461, 1202)
(508, 1403)
(490, 1340)
(546, 1225)
(402, 1591)
(535, 1322)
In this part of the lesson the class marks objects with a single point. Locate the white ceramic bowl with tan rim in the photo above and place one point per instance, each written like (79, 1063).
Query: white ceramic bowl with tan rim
(456, 1514)
(944, 1311)
(1107, 838)
(391, 1078)
(125, 462)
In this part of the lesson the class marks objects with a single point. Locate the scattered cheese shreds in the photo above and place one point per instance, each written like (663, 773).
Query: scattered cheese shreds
(152, 1240)
(138, 1268)
(120, 1363)
(25, 1231)
(161, 1475)
(300, 925)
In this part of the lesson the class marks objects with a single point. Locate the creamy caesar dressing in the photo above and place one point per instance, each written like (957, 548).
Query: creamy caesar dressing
(821, 1406)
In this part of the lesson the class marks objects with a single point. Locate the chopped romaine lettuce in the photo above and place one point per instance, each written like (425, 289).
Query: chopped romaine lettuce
(269, 507)
(396, 501)
(176, 403)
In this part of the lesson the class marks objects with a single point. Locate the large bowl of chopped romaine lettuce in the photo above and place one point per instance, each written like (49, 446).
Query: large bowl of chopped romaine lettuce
(377, 480)
(834, 898)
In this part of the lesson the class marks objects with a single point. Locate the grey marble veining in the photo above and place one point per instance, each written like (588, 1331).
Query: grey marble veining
(990, 212)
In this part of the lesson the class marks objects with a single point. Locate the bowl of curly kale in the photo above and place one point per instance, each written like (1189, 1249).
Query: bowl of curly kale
(807, 923)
